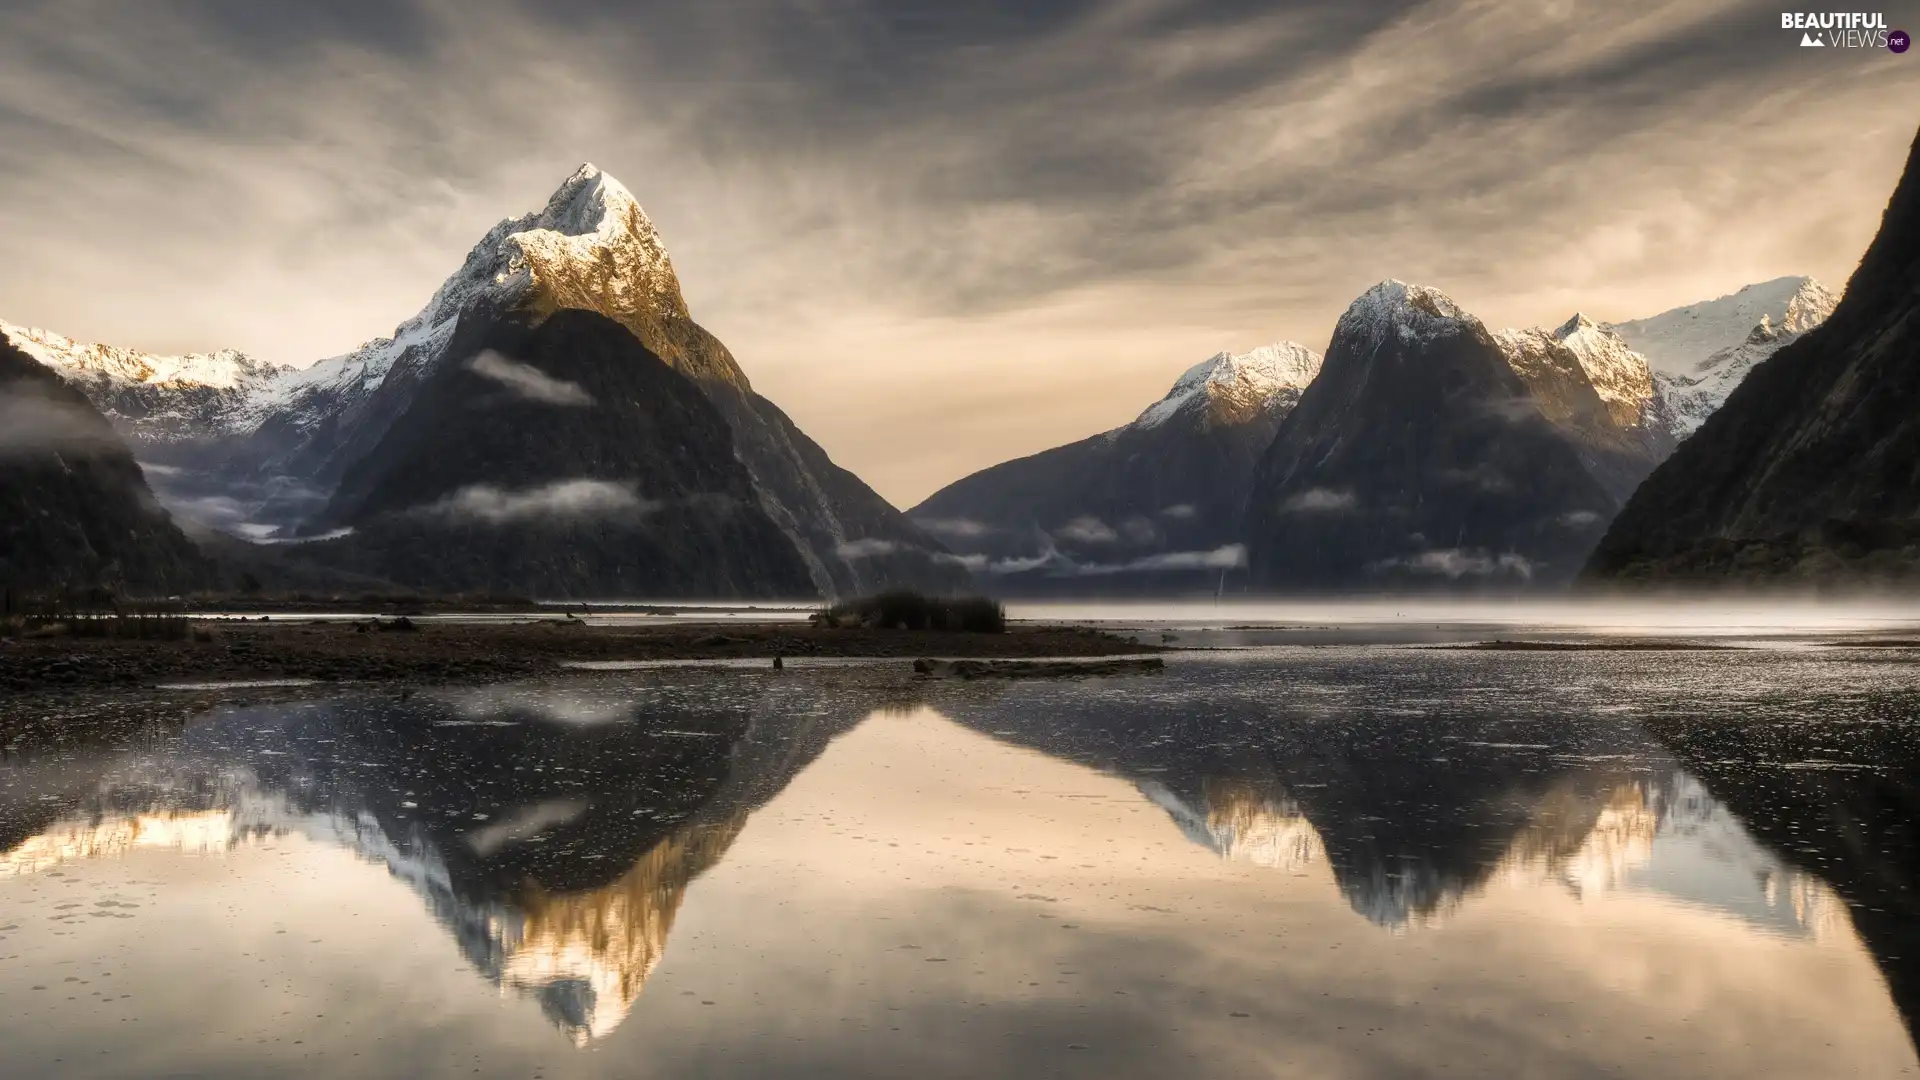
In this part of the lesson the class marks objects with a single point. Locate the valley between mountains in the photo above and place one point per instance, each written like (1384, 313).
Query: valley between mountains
(555, 423)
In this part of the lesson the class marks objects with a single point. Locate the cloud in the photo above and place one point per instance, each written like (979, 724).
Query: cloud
(35, 423)
(1045, 211)
(1321, 501)
(961, 528)
(1139, 530)
(1456, 563)
(1087, 530)
(1230, 557)
(1579, 519)
(561, 499)
(866, 548)
(1179, 511)
(974, 563)
(528, 381)
(1055, 564)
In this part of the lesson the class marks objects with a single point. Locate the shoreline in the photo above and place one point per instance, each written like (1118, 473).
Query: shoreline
(36, 672)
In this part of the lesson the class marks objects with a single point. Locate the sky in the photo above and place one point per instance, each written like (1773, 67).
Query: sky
(938, 235)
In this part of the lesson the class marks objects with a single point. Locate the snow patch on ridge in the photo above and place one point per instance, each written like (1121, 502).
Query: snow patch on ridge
(1236, 386)
(1680, 343)
(222, 370)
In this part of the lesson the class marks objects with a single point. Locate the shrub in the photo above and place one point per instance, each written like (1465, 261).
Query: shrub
(903, 610)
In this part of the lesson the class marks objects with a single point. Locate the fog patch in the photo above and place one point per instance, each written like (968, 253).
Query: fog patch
(1087, 530)
(1179, 511)
(1321, 501)
(1139, 530)
(1057, 565)
(1578, 519)
(528, 381)
(962, 527)
(866, 548)
(36, 423)
(525, 824)
(974, 563)
(561, 499)
(1457, 563)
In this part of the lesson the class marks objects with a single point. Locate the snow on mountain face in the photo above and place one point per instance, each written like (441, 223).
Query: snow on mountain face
(1229, 388)
(1678, 343)
(1702, 351)
(591, 247)
(1620, 377)
(223, 370)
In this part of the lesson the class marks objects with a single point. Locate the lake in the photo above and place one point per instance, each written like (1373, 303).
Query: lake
(1295, 859)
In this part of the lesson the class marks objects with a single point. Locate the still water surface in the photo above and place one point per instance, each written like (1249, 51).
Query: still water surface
(1311, 862)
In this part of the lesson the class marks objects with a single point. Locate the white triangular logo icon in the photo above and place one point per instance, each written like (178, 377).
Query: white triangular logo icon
(1808, 41)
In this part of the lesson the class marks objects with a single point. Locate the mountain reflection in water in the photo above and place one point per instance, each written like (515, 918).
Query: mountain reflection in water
(552, 834)
(555, 831)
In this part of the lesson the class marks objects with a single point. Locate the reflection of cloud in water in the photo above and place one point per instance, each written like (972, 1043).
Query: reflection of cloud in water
(491, 704)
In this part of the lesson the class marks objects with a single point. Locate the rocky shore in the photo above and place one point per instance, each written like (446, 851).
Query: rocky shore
(428, 651)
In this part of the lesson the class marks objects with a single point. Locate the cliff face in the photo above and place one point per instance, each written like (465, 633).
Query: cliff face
(1420, 457)
(75, 510)
(563, 459)
(1810, 473)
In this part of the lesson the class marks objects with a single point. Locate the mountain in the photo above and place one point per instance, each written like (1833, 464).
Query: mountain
(1431, 452)
(1155, 504)
(566, 460)
(1810, 472)
(269, 447)
(1596, 390)
(75, 510)
(1700, 352)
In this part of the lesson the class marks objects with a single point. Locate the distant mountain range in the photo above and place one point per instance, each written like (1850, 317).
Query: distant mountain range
(1810, 472)
(1700, 352)
(1154, 505)
(555, 422)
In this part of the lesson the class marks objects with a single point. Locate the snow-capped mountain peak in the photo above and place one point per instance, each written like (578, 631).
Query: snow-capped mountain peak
(1621, 377)
(1679, 342)
(1396, 308)
(1700, 352)
(1232, 387)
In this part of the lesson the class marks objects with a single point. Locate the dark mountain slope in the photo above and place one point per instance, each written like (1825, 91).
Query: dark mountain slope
(1420, 458)
(1155, 505)
(1811, 470)
(75, 511)
(558, 459)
